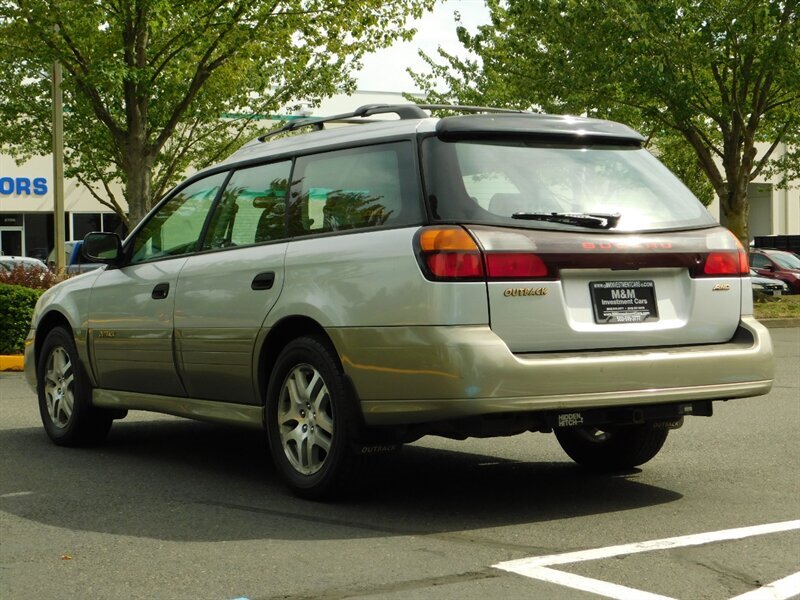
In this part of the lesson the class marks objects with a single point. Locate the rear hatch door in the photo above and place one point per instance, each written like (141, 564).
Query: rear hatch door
(605, 291)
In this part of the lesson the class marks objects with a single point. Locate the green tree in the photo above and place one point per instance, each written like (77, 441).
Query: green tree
(706, 80)
(153, 87)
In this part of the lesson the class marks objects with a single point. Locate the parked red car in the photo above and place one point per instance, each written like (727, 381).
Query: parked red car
(777, 264)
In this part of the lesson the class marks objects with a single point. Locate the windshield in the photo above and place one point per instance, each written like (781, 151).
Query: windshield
(522, 183)
(785, 260)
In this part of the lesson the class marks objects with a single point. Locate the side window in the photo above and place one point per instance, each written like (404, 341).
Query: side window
(252, 208)
(175, 229)
(355, 188)
(759, 261)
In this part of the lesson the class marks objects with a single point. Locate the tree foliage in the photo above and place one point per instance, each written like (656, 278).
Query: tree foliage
(705, 80)
(153, 87)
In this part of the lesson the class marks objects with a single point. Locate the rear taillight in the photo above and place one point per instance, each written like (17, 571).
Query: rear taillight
(454, 265)
(721, 263)
(725, 263)
(515, 265)
(450, 253)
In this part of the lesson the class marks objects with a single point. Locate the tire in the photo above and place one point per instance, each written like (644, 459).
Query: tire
(65, 394)
(614, 448)
(311, 420)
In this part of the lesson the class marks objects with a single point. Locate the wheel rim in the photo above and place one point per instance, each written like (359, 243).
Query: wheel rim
(58, 387)
(305, 419)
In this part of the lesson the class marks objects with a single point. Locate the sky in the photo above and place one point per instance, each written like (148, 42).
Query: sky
(385, 70)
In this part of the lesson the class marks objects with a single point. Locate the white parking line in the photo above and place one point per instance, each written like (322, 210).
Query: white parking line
(595, 586)
(777, 590)
(536, 567)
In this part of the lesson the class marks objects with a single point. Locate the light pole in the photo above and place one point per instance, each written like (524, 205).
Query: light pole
(58, 167)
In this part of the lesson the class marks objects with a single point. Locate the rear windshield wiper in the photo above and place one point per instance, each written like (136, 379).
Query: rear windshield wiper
(590, 220)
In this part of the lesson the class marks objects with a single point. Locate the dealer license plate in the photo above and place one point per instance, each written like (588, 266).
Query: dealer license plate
(624, 301)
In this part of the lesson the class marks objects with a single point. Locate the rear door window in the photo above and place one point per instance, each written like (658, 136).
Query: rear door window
(759, 261)
(252, 207)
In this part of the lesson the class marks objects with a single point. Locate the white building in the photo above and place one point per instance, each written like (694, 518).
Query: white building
(26, 196)
(773, 210)
(26, 208)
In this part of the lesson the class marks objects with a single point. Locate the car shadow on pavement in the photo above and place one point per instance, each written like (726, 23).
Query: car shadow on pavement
(182, 480)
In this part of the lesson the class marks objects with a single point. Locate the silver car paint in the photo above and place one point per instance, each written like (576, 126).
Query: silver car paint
(69, 299)
(329, 280)
(218, 316)
(130, 332)
(690, 312)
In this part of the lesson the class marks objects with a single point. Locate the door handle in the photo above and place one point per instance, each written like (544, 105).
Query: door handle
(263, 281)
(160, 291)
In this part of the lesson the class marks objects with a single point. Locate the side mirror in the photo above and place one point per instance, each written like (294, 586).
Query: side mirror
(768, 267)
(103, 248)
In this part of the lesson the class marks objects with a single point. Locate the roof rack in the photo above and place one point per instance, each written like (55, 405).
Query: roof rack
(404, 111)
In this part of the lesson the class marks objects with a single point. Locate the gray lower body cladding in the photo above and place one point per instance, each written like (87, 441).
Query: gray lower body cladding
(422, 374)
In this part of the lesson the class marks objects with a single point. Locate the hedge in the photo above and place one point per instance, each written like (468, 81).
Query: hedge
(16, 310)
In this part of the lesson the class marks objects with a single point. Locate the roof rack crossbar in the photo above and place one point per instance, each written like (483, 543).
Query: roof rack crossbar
(404, 111)
(472, 109)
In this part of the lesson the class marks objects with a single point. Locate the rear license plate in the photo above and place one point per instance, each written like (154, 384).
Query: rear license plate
(623, 301)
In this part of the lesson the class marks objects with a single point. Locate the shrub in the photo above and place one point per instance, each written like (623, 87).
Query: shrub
(39, 279)
(16, 309)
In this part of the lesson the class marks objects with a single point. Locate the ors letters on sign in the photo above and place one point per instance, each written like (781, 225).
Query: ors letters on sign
(23, 186)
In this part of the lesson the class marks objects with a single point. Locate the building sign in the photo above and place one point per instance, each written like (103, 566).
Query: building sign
(10, 220)
(23, 186)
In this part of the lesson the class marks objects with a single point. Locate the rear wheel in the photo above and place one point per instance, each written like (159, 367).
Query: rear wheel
(612, 448)
(65, 394)
(311, 420)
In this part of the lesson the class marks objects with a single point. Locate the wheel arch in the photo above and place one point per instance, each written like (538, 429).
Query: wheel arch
(47, 323)
(280, 334)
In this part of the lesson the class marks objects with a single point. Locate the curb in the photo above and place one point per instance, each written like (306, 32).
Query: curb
(12, 363)
(780, 323)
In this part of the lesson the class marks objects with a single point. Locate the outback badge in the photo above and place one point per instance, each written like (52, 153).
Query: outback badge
(540, 291)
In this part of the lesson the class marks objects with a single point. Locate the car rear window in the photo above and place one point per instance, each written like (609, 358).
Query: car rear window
(490, 181)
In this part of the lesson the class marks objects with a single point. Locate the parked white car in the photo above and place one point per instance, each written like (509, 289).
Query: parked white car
(9, 263)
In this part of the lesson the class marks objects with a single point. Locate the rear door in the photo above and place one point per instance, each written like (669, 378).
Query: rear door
(225, 292)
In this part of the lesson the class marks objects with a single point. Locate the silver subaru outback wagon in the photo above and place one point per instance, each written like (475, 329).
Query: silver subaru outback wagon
(351, 289)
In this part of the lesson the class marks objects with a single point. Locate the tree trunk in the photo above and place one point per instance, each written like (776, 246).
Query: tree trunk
(736, 208)
(138, 167)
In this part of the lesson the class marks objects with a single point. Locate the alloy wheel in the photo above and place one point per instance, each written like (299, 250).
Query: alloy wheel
(305, 419)
(58, 387)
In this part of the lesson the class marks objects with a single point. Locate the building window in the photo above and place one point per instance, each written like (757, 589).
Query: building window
(83, 223)
(112, 223)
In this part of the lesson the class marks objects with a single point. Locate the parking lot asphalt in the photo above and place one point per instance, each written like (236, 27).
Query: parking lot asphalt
(170, 508)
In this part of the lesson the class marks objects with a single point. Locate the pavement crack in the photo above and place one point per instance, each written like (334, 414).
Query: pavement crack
(394, 587)
(725, 573)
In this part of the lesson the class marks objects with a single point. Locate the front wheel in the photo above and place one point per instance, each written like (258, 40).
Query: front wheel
(612, 448)
(310, 418)
(65, 394)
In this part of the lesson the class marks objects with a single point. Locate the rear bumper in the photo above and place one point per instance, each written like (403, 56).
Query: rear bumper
(422, 374)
